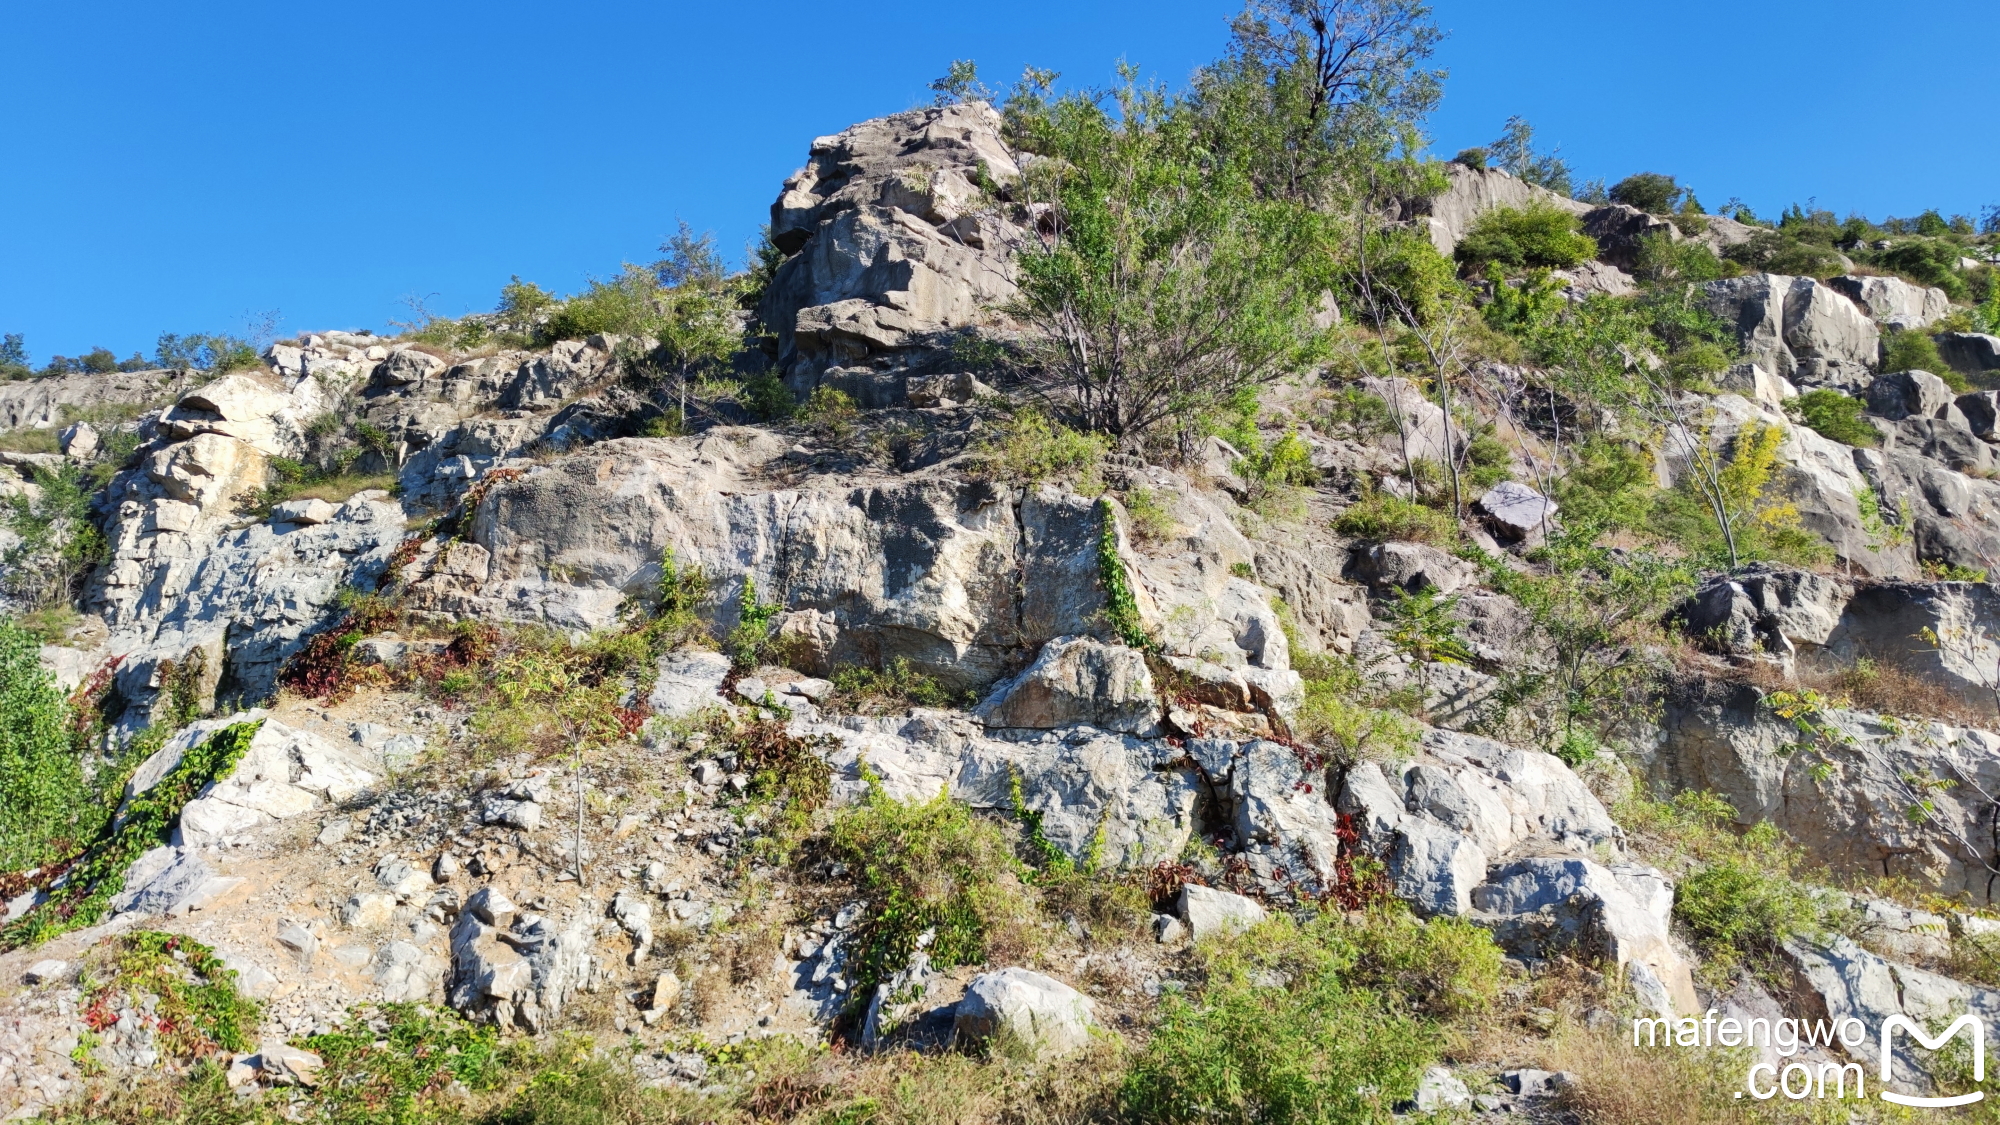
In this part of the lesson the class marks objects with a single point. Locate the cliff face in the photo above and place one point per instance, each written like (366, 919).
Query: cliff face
(1126, 663)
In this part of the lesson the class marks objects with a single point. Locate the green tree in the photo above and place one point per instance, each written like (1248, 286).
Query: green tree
(1515, 152)
(44, 795)
(1166, 283)
(1651, 192)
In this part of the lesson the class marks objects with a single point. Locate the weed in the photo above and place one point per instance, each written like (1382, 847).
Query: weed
(1834, 415)
(399, 1062)
(1030, 448)
(1381, 517)
(753, 627)
(1312, 1021)
(927, 868)
(785, 769)
(194, 1005)
(896, 686)
(1151, 519)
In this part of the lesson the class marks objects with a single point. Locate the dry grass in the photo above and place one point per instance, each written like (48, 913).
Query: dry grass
(338, 490)
(1868, 686)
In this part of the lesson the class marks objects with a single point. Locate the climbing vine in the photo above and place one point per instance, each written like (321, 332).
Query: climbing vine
(94, 876)
(1121, 609)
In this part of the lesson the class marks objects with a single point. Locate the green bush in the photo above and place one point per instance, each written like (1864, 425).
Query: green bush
(45, 803)
(1380, 516)
(1740, 895)
(1650, 192)
(625, 305)
(767, 398)
(1834, 415)
(1536, 237)
(1915, 351)
(1310, 1022)
(926, 866)
(1927, 262)
(1030, 448)
(1770, 251)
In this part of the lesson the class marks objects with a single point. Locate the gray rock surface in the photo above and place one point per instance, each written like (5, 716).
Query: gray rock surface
(1078, 680)
(1024, 1010)
(1970, 353)
(1473, 192)
(1893, 302)
(39, 403)
(890, 238)
(1797, 327)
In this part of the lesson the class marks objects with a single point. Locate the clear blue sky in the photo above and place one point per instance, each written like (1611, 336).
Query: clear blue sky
(183, 167)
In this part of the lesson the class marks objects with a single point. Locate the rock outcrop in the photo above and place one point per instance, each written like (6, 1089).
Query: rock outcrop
(892, 236)
(1801, 329)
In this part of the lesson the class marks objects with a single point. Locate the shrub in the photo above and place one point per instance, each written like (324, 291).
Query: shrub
(926, 866)
(1538, 236)
(767, 398)
(1834, 415)
(829, 413)
(1310, 1022)
(1030, 448)
(1662, 259)
(45, 803)
(212, 352)
(624, 306)
(896, 685)
(1741, 896)
(1770, 251)
(1650, 192)
(1380, 516)
(1356, 413)
(1915, 351)
(58, 540)
(1927, 262)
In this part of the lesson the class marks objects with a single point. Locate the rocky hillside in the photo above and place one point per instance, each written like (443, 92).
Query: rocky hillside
(784, 702)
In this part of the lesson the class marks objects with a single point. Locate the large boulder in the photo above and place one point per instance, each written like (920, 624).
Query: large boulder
(1765, 607)
(1893, 302)
(890, 237)
(1909, 394)
(1078, 680)
(257, 410)
(1018, 1009)
(1798, 327)
(1970, 353)
(283, 772)
(1619, 914)
(1207, 912)
(1621, 231)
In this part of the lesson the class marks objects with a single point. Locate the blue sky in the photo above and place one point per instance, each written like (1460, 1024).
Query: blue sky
(188, 167)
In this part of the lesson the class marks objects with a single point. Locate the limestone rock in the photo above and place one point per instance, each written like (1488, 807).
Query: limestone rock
(1208, 912)
(39, 403)
(1758, 384)
(1909, 394)
(1410, 567)
(1851, 983)
(1970, 353)
(1726, 738)
(689, 681)
(1766, 607)
(1893, 302)
(1473, 192)
(889, 238)
(304, 513)
(1027, 1011)
(1544, 905)
(1620, 231)
(1798, 328)
(1515, 512)
(1078, 680)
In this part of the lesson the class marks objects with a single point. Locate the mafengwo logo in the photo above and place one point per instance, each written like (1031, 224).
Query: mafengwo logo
(1799, 1081)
